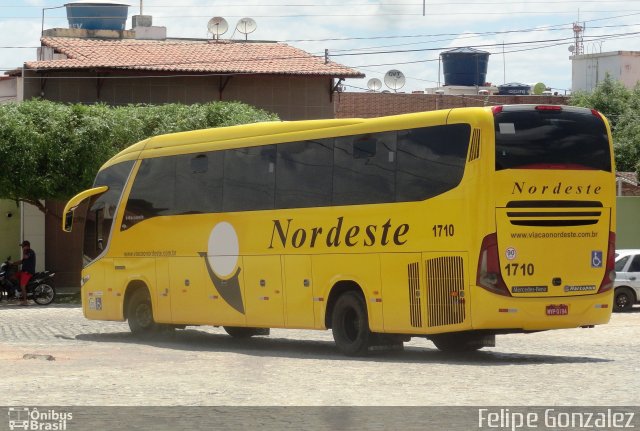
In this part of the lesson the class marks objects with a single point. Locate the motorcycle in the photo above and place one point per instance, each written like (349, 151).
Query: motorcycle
(38, 289)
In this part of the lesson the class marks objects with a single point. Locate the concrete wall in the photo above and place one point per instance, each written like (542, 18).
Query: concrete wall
(628, 222)
(9, 230)
(8, 89)
(590, 69)
(291, 97)
(367, 105)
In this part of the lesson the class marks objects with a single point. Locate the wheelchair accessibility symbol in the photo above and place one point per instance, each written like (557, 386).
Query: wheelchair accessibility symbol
(596, 259)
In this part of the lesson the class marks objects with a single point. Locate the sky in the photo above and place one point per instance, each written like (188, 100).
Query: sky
(528, 40)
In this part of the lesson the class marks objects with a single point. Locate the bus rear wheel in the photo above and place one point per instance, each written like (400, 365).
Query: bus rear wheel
(140, 313)
(462, 342)
(350, 324)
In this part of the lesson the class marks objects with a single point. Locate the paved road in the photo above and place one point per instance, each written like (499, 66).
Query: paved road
(101, 363)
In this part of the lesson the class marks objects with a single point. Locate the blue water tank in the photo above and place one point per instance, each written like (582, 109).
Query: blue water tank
(513, 88)
(97, 15)
(465, 66)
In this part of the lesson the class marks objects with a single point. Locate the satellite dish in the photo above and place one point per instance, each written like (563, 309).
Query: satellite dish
(394, 79)
(246, 26)
(374, 84)
(217, 26)
(539, 88)
(571, 48)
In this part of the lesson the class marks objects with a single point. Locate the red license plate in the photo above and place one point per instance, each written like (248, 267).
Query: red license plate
(557, 310)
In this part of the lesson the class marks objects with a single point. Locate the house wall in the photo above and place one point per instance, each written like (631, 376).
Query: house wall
(8, 89)
(628, 189)
(63, 249)
(9, 230)
(367, 105)
(291, 97)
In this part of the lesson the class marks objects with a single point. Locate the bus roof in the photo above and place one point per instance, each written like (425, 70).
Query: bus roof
(266, 133)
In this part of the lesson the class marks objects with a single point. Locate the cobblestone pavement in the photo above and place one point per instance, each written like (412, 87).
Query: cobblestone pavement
(101, 363)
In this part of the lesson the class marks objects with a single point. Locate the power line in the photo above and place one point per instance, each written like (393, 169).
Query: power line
(475, 35)
(323, 5)
(454, 34)
(364, 15)
(486, 45)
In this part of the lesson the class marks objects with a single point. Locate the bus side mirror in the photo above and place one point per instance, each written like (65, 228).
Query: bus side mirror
(68, 221)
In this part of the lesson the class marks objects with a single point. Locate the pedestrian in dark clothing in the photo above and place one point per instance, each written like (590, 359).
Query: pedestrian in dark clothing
(28, 263)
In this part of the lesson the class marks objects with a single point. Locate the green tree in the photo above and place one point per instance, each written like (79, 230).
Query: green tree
(52, 151)
(621, 106)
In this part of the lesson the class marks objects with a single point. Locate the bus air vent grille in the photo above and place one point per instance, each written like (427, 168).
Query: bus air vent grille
(414, 295)
(474, 152)
(554, 213)
(445, 290)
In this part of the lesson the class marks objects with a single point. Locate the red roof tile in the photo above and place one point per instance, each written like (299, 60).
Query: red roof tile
(188, 56)
(628, 177)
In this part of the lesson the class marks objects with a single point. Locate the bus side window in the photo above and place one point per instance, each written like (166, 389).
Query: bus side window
(363, 171)
(364, 147)
(249, 178)
(199, 183)
(304, 174)
(431, 160)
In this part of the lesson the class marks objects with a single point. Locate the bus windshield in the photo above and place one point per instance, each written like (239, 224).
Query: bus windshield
(566, 138)
(103, 208)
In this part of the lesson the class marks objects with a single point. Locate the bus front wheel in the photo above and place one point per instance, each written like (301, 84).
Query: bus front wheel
(140, 313)
(350, 324)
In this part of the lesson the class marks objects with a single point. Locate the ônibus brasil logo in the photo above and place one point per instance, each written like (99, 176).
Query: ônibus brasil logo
(25, 418)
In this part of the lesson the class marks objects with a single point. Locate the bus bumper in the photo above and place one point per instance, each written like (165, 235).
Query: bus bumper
(491, 311)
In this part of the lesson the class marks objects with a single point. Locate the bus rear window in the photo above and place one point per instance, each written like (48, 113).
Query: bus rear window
(551, 139)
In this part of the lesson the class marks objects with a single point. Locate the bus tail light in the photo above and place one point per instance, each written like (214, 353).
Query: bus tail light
(489, 276)
(497, 109)
(610, 269)
(548, 108)
(596, 113)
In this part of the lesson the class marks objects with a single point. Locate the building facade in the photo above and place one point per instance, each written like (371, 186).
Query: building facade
(587, 70)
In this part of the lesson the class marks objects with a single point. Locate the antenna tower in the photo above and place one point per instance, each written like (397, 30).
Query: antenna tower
(578, 37)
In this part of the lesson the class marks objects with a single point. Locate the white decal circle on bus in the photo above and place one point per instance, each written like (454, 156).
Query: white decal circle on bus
(223, 249)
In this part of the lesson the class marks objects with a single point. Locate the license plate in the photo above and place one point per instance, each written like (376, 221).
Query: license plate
(557, 310)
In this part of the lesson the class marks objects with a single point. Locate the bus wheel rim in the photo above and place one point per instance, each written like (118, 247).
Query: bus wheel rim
(143, 315)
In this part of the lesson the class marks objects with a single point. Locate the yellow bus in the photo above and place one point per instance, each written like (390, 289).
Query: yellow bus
(454, 225)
